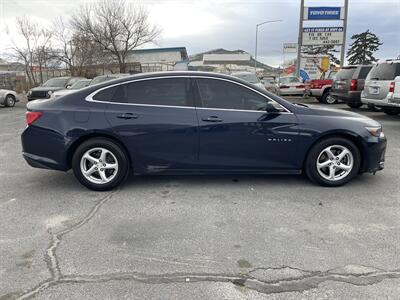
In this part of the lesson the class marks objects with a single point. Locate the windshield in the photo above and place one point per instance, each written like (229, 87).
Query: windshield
(100, 79)
(252, 78)
(80, 84)
(56, 82)
(383, 71)
(288, 79)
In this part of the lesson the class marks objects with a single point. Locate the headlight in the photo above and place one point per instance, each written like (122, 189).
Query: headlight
(29, 93)
(375, 131)
(49, 93)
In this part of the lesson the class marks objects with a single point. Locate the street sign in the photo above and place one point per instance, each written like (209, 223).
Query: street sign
(313, 36)
(290, 48)
(323, 13)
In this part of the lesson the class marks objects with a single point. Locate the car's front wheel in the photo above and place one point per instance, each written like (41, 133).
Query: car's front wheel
(333, 162)
(327, 98)
(100, 164)
(10, 101)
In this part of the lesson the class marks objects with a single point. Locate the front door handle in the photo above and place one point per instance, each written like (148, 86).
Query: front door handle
(212, 119)
(128, 116)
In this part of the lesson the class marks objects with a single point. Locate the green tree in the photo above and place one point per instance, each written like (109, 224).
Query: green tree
(363, 47)
(329, 50)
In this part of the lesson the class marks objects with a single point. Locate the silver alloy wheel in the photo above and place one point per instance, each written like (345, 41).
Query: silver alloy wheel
(335, 162)
(10, 101)
(330, 99)
(99, 165)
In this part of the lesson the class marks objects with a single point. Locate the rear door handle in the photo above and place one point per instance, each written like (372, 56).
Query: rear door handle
(127, 116)
(212, 119)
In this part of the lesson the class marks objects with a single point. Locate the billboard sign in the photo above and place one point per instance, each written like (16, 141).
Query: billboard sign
(312, 66)
(323, 13)
(290, 47)
(314, 36)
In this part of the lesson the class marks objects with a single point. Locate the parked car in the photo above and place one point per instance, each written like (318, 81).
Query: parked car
(196, 123)
(76, 86)
(348, 84)
(8, 98)
(107, 77)
(270, 84)
(320, 88)
(249, 77)
(45, 90)
(291, 85)
(379, 86)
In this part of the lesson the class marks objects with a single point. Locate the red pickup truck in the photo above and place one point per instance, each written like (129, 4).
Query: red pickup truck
(320, 88)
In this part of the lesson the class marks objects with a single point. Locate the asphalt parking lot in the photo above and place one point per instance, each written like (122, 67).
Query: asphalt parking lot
(197, 237)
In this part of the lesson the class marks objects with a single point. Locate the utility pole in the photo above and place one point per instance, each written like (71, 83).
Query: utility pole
(299, 42)
(255, 52)
(342, 51)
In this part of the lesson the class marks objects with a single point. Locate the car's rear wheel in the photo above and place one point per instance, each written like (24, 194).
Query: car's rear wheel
(391, 111)
(327, 98)
(100, 164)
(354, 104)
(333, 162)
(10, 101)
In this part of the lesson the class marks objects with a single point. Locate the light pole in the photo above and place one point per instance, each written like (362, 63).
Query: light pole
(255, 52)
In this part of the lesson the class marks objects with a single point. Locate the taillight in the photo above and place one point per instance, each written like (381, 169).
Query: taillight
(353, 85)
(391, 87)
(32, 116)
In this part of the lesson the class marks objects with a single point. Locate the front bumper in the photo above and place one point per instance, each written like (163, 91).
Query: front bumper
(375, 155)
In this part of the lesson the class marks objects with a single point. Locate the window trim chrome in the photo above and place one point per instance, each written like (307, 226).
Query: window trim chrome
(89, 97)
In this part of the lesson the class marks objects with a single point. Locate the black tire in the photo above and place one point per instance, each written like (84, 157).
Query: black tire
(327, 98)
(391, 111)
(354, 104)
(310, 166)
(9, 101)
(116, 150)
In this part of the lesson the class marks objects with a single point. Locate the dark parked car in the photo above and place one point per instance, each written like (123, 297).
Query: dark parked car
(195, 123)
(349, 83)
(50, 86)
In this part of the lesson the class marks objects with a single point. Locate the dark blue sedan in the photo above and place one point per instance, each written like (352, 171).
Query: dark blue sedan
(195, 123)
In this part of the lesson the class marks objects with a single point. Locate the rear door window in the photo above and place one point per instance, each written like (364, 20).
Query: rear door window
(383, 71)
(168, 91)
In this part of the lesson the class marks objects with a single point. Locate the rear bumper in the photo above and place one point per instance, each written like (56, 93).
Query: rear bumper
(348, 97)
(389, 101)
(45, 149)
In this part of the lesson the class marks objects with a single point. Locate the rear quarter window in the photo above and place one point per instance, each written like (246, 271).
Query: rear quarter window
(364, 72)
(346, 73)
(105, 95)
(384, 71)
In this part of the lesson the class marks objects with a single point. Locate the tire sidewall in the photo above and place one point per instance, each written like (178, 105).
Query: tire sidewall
(325, 97)
(311, 166)
(121, 156)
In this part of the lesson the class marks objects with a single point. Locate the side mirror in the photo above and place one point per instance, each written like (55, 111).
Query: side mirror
(273, 107)
(397, 79)
(68, 86)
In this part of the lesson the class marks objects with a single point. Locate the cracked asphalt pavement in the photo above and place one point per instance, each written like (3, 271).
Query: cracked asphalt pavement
(197, 237)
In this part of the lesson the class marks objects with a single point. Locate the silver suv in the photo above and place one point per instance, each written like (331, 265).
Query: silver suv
(379, 87)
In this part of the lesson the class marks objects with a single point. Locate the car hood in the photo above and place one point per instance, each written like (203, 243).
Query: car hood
(46, 89)
(339, 113)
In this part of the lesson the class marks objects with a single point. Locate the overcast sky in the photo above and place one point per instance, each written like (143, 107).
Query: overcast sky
(201, 25)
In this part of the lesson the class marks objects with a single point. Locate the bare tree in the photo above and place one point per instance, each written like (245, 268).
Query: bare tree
(116, 26)
(36, 51)
(76, 49)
